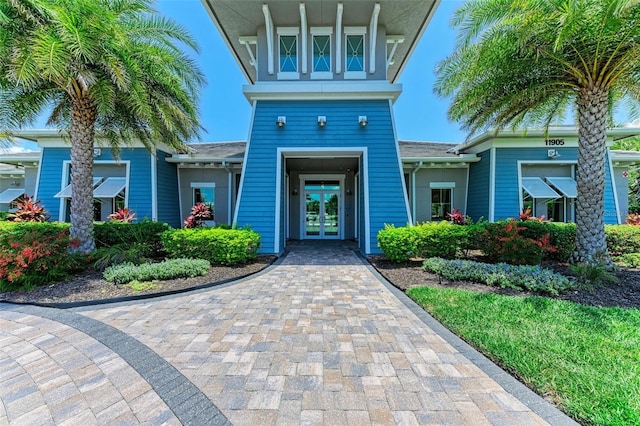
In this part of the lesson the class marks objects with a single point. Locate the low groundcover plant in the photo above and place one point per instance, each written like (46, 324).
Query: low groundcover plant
(532, 278)
(166, 270)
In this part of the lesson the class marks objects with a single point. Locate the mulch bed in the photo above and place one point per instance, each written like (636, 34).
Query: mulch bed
(90, 285)
(625, 294)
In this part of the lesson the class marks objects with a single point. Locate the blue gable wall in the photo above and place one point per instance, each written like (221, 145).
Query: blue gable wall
(257, 202)
(167, 187)
(139, 178)
(478, 191)
(507, 202)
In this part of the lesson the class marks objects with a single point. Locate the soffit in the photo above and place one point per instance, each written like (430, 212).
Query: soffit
(236, 18)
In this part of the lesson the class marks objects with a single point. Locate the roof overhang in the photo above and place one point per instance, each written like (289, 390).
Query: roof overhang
(553, 132)
(236, 19)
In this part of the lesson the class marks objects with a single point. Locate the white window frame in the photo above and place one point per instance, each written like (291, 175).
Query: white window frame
(322, 31)
(200, 185)
(355, 75)
(440, 185)
(289, 75)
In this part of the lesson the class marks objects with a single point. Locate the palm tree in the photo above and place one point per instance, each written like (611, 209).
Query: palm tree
(111, 68)
(526, 63)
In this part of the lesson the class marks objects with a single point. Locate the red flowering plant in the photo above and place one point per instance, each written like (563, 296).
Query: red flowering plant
(505, 242)
(34, 258)
(28, 210)
(457, 218)
(199, 213)
(526, 215)
(124, 215)
(633, 219)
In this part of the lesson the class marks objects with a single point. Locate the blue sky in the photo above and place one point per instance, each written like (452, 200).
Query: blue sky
(225, 113)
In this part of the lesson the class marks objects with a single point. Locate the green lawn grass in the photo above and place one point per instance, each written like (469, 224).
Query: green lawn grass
(586, 358)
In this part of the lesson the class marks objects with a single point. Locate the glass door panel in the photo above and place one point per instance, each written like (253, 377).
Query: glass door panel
(322, 214)
(312, 214)
(331, 225)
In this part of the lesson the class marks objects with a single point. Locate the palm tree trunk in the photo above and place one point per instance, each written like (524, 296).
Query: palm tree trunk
(82, 136)
(591, 245)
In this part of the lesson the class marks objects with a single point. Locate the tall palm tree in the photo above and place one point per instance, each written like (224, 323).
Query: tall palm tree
(526, 63)
(111, 68)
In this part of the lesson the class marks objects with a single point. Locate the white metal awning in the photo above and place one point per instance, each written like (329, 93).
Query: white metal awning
(8, 195)
(66, 192)
(566, 185)
(536, 187)
(110, 188)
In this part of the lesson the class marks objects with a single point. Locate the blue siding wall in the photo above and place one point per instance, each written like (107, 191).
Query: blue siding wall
(478, 190)
(168, 203)
(139, 178)
(507, 202)
(257, 201)
(51, 179)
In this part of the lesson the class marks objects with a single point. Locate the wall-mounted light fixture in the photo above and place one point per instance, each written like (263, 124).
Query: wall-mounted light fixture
(362, 120)
(322, 120)
(15, 183)
(552, 153)
(281, 121)
(349, 192)
(295, 191)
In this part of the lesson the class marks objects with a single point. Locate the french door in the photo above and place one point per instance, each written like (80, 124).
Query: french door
(322, 218)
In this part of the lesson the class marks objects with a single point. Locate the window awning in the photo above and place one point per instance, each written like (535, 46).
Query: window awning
(8, 195)
(566, 185)
(536, 187)
(110, 187)
(66, 192)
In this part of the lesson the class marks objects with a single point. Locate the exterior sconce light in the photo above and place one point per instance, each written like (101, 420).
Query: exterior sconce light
(362, 120)
(281, 121)
(295, 191)
(349, 192)
(322, 120)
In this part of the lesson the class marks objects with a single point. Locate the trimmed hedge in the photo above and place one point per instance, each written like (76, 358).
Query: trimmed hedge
(531, 278)
(166, 270)
(447, 241)
(144, 235)
(428, 239)
(218, 246)
(622, 239)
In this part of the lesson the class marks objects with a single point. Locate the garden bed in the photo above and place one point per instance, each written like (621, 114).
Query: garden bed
(407, 275)
(90, 285)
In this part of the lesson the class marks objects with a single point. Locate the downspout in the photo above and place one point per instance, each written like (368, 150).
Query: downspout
(413, 191)
(230, 186)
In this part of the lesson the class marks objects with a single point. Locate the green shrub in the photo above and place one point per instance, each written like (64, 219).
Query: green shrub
(531, 278)
(217, 245)
(3, 216)
(119, 253)
(630, 260)
(397, 244)
(591, 275)
(167, 270)
(508, 242)
(33, 253)
(562, 236)
(442, 239)
(622, 239)
(144, 236)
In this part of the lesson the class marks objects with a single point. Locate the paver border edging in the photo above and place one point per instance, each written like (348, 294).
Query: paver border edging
(135, 298)
(189, 404)
(535, 402)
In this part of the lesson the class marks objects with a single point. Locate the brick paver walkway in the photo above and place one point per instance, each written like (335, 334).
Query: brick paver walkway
(317, 339)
